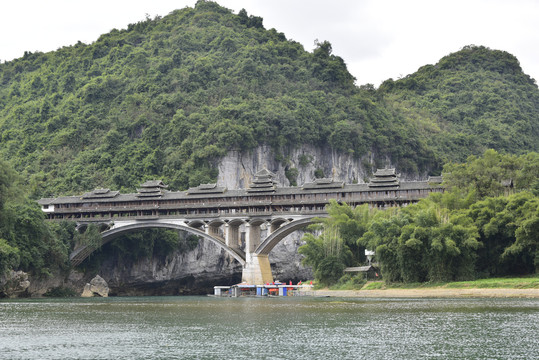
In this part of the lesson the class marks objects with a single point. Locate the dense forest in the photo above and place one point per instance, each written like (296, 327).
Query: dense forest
(167, 97)
(481, 226)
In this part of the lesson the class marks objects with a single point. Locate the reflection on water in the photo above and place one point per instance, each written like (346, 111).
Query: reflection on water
(269, 328)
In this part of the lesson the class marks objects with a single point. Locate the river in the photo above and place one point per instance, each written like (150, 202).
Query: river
(200, 327)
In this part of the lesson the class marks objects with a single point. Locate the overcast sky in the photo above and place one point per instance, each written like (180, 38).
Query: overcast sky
(378, 39)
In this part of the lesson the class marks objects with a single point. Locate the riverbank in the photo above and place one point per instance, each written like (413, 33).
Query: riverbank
(432, 293)
(519, 287)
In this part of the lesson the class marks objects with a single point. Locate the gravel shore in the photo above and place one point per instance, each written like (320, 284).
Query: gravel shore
(432, 293)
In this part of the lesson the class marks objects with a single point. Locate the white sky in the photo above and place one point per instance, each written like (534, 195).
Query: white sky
(378, 39)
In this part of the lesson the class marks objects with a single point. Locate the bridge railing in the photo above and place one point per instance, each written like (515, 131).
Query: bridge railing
(216, 215)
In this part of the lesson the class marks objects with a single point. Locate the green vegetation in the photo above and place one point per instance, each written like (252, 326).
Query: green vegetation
(29, 243)
(478, 228)
(349, 282)
(167, 97)
(374, 285)
(470, 101)
(528, 282)
(497, 283)
(26, 241)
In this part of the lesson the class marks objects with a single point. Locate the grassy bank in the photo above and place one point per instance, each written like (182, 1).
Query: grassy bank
(529, 282)
(524, 287)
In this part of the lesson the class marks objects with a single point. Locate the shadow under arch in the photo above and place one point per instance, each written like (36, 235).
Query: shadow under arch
(80, 254)
(275, 237)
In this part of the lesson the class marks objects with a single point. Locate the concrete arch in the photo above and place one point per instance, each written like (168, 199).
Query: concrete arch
(216, 222)
(236, 222)
(272, 240)
(78, 256)
(278, 221)
(275, 224)
(257, 222)
(196, 224)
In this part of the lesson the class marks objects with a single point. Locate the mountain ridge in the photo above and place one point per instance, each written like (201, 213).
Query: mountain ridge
(168, 97)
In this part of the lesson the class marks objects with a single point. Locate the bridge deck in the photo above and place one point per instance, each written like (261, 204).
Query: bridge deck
(73, 208)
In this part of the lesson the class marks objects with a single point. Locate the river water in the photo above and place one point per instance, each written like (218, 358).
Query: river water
(268, 328)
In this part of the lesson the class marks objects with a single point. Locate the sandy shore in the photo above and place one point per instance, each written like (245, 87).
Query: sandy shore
(432, 293)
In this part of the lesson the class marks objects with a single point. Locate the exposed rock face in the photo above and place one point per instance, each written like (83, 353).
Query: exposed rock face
(192, 272)
(236, 169)
(73, 280)
(285, 260)
(13, 284)
(179, 273)
(196, 271)
(97, 286)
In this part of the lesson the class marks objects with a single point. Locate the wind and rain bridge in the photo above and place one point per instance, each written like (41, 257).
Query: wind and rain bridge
(246, 223)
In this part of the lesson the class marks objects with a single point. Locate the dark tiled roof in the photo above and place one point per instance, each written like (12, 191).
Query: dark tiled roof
(263, 182)
(100, 193)
(360, 268)
(265, 173)
(385, 172)
(323, 184)
(154, 183)
(207, 189)
(384, 178)
(45, 201)
(263, 192)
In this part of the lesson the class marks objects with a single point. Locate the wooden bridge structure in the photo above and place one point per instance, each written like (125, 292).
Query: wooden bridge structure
(246, 223)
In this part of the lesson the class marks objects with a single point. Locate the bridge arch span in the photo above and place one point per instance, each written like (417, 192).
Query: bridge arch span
(236, 222)
(216, 222)
(275, 237)
(196, 224)
(80, 254)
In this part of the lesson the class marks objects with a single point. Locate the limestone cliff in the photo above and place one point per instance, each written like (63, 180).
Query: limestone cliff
(195, 271)
(198, 270)
(236, 169)
(179, 273)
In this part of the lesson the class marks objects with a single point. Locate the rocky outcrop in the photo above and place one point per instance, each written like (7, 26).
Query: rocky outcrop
(96, 287)
(285, 260)
(236, 169)
(73, 281)
(14, 284)
(196, 271)
(181, 272)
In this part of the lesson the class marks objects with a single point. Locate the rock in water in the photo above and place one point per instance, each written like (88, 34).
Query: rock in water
(13, 284)
(87, 292)
(97, 286)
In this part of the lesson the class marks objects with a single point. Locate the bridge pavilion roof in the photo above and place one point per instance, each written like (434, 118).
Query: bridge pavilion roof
(220, 192)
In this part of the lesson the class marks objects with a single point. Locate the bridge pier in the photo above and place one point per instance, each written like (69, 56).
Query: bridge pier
(257, 270)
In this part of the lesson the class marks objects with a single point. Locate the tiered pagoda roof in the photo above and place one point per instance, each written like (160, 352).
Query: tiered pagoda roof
(384, 178)
(151, 188)
(263, 182)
